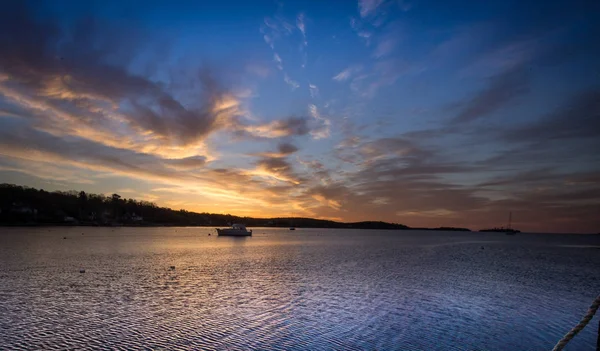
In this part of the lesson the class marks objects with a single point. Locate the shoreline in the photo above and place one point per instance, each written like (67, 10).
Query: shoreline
(155, 225)
(147, 225)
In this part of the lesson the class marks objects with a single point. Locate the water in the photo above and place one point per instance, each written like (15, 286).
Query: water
(311, 289)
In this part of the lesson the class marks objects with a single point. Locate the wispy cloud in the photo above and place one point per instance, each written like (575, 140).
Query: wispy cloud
(385, 47)
(502, 89)
(578, 119)
(369, 7)
(292, 83)
(292, 126)
(347, 73)
(278, 60)
(283, 149)
(278, 28)
(301, 27)
(314, 90)
(323, 129)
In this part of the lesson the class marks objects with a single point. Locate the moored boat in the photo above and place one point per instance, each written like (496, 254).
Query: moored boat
(235, 230)
(508, 230)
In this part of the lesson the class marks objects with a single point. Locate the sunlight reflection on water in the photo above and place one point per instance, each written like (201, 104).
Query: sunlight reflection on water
(310, 289)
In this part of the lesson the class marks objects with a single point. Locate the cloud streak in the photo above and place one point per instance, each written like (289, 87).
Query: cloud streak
(502, 89)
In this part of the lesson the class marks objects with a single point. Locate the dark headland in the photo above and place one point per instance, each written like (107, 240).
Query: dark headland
(25, 206)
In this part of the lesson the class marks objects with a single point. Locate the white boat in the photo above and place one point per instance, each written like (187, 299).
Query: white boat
(235, 230)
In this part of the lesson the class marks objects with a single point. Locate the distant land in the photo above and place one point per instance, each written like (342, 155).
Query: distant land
(25, 206)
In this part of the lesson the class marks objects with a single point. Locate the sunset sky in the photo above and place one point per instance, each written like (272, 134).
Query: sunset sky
(424, 112)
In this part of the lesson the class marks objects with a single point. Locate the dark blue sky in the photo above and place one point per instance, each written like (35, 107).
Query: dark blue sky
(419, 112)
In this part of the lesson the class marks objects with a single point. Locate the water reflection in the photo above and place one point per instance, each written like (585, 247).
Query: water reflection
(309, 289)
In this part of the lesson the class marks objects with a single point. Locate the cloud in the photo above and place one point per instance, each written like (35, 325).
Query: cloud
(406, 182)
(564, 138)
(314, 165)
(286, 148)
(300, 23)
(71, 84)
(323, 124)
(46, 171)
(267, 38)
(277, 168)
(277, 28)
(301, 27)
(292, 83)
(277, 59)
(347, 73)
(578, 119)
(385, 47)
(187, 163)
(314, 90)
(343, 75)
(369, 8)
(399, 178)
(507, 56)
(502, 89)
(292, 126)
(258, 70)
(25, 143)
(383, 73)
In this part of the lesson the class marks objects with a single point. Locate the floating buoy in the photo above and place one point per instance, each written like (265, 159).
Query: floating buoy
(82, 271)
(172, 267)
(64, 237)
(208, 234)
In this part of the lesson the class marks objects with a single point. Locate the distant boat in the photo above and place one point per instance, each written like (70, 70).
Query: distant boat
(508, 230)
(235, 230)
(292, 228)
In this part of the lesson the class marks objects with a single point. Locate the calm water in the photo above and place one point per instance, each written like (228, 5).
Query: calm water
(305, 290)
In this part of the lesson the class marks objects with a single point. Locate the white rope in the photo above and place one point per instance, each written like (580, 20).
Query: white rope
(584, 321)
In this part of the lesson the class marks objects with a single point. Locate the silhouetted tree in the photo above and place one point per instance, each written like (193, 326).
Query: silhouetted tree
(115, 203)
(17, 203)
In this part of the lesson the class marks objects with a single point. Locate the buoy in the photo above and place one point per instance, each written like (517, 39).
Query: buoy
(82, 271)
(64, 237)
(172, 267)
(208, 234)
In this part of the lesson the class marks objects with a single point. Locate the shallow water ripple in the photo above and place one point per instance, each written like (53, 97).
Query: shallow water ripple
(307, 290)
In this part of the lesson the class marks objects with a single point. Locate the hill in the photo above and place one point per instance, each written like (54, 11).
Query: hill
(21, 205)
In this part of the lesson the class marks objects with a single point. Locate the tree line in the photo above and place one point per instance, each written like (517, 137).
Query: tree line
(22, 205)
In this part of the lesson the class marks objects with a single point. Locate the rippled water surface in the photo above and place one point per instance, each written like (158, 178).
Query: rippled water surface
(312, 289)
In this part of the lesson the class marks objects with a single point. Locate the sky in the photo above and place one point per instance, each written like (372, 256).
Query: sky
(426, 112)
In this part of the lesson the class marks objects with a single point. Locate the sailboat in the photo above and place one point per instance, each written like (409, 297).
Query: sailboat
(509, 230)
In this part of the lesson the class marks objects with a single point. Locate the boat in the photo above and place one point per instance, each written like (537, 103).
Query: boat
(235, 230)
(292, 228)
(508, 230)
